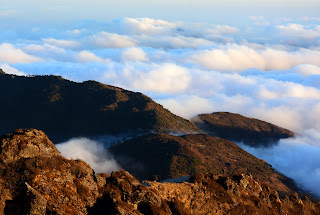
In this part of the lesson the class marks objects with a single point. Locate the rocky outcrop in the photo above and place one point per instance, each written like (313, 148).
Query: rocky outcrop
(35, 179)
(239, 128)
(162, 156)
(27, 143)
(36, 183)
(64, 109)
(237, 194)
(123, 194)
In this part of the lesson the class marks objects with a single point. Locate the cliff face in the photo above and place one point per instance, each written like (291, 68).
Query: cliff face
(35, 179)
(239, 128)
(163, 156)
(65, 109)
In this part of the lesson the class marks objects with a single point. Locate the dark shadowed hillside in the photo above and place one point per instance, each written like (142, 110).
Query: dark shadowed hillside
(65, 109)
(236, 127)
(163, 156)
(36, 179)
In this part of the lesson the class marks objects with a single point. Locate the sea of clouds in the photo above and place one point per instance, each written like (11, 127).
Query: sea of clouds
(265, 69)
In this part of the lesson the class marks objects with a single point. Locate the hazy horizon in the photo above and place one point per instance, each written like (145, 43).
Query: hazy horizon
(223, 12)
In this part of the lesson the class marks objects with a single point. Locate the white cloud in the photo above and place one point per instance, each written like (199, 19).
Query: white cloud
(222, 29)
(10, 54)
(297, 158)
(278, 89)
(166, 78)
(86, 56)
(44, 48)
(298, 30)
(147, 26)
(134, 54)
(10, 70)
(234, 57)
(62, 43)
(307, 70)
(92, 152)
(173, 42)
(187, 106)
(109, 40)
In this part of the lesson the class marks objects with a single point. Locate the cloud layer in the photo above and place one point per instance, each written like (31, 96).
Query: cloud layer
(267, 69)
(297, 158)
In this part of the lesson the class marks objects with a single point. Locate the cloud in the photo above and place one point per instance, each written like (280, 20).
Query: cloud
(165, 78)
(86, 56)
(233, 57)
(110, 40)
(147, 26)
(174, 42)
(10, 70)
(134, 54)
(187, 106)
(45, 49)
(61, 43)
(10, 54)
(307, 70)
(298, 30)
(222, 29)
(92, 152)
(297, 158)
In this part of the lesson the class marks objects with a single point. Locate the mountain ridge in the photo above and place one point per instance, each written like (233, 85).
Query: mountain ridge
(238, 128)
(162, 156)
(66, 109)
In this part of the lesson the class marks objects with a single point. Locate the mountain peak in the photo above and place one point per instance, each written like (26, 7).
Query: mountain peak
(236, 127)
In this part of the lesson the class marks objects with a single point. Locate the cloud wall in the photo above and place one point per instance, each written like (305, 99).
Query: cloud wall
(297, 158)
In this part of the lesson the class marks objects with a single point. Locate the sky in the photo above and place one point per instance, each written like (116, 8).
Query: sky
(59, 11)
(258, 59)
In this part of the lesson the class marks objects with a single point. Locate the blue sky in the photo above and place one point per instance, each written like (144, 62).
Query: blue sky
(259, 59)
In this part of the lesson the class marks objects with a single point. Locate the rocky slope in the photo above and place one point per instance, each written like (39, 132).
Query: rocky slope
(65, 109)
(36, 179)
(236, 127)
(163, 156)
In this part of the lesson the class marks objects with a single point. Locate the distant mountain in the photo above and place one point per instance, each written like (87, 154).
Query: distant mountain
(36, 179)
(65, 109)
(163, 156)
(236, 127)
